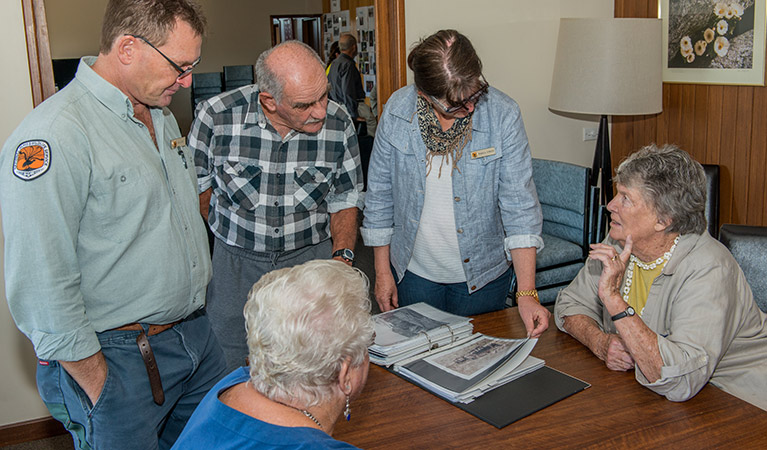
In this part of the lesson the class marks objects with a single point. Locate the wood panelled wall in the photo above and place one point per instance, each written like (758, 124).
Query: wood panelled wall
(724, 125)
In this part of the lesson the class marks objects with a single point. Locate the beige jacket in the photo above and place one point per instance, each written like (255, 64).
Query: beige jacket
(708, 325)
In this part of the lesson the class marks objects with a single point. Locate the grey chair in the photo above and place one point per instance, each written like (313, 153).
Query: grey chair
(748, 245)
(205, 86)
(565, 197)
(237, 76)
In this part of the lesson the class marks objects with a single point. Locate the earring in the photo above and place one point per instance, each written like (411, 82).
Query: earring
(348, 410)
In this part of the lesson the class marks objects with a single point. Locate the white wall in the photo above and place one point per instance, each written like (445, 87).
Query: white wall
(18, 394)
(238, 31)
(517, 41)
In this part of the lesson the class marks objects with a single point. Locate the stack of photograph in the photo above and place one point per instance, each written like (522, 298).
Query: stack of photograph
(415, 329)
(439, 352)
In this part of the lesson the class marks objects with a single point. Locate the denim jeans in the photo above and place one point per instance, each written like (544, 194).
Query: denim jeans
(125, 416)
(453, 297)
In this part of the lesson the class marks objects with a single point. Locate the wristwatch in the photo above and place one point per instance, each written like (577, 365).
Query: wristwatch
(628, 312)
(345, 253)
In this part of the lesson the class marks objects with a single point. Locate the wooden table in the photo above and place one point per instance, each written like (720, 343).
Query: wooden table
(615, 412)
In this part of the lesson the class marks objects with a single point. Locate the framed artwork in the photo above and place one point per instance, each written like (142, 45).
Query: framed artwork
(714, 42)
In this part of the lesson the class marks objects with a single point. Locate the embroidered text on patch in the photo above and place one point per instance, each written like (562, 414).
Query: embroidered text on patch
(32, 159)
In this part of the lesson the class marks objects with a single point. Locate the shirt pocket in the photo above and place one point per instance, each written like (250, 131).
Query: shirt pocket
(312, 186)
(241, 184)
(123, 203)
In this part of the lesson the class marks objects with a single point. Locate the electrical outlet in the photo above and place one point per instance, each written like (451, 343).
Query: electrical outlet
(590, 134)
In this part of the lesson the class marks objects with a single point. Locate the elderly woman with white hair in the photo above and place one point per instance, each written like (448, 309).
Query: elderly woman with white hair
(308, 330)
(660, 295)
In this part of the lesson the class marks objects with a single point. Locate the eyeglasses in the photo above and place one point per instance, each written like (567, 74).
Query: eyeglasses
(464, 104)
(181, 71)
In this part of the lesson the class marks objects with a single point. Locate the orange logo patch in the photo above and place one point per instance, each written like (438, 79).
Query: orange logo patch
(32, 159)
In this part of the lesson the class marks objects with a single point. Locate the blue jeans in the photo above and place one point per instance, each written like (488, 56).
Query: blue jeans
(125, 415)
(454, 297)
(235, 270)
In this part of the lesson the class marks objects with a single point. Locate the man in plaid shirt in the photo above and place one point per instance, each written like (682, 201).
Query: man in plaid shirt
(278, 170)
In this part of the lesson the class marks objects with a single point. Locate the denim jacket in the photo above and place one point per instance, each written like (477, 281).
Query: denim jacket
(496, 207)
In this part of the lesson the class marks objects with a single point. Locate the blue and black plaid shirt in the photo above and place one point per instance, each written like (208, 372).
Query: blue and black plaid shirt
(269, 193)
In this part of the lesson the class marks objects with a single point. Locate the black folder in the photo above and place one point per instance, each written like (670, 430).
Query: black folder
(521, 397)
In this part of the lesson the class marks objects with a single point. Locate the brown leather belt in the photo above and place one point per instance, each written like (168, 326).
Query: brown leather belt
(146, 353)
(153, 329)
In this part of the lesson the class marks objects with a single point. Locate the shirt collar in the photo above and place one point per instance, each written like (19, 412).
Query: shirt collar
(104, 91)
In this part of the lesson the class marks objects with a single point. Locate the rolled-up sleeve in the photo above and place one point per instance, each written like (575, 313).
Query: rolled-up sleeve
(520, 210)
(41, 220)
(378, 223)
(702, 324)
(581, 297)
(201, 141)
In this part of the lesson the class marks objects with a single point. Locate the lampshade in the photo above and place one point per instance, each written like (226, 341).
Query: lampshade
(608, 66)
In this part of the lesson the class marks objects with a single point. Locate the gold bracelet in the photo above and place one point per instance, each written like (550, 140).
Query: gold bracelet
(531, 293)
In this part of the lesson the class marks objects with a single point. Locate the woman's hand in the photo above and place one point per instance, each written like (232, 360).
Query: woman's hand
(534, 316)
(615, 354)
(613, 267)
(386, 291)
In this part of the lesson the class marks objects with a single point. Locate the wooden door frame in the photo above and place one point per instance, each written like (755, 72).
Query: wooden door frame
(38, 50)
(391, 70)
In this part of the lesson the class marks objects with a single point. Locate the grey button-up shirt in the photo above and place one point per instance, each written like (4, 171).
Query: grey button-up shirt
(110, 232)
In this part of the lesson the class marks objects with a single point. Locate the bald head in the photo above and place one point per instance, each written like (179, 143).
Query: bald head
(346, 42)
(289, 62)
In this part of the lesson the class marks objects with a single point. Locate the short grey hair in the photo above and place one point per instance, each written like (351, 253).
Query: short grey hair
(346, 42)
(302, 323)
(268, 81)
(671, 182)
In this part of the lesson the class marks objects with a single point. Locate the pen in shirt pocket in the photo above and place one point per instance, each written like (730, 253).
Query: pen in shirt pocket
(178, 144)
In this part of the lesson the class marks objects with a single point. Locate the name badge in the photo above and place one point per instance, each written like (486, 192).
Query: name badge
(482, 153)
(178, 142)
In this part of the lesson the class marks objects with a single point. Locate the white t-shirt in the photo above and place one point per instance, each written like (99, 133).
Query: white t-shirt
(436, 256)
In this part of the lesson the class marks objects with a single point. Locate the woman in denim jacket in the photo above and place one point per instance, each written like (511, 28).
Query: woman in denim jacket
(450, 195)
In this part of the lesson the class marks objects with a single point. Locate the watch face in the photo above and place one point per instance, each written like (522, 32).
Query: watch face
(630, 311)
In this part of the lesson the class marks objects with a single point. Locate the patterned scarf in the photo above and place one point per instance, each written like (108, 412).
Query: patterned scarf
(438, 142)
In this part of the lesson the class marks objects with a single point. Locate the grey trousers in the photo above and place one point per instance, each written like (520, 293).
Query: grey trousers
(235, 270)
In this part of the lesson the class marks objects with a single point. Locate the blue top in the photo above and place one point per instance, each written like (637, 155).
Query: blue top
(496, 207)
(215, 425)
(102, 228)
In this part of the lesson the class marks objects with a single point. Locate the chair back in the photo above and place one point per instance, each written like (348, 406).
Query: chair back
(712, 198)
(748, 245)
(565, 197)
(205, 86)
(237, 76)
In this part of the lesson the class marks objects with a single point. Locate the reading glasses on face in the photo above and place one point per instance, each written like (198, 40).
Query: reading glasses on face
(464, 104)
(181, 71)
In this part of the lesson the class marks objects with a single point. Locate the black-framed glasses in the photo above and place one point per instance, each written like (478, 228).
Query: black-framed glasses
(464, 104)
(181, 71)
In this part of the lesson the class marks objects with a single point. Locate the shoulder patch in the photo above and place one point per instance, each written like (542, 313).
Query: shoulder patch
(32, 159)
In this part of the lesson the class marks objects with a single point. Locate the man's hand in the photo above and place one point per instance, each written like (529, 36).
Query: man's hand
(89, 373)
(534, 316)
(615, 354)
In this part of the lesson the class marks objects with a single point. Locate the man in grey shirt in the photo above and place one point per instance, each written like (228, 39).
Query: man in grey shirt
(106, 256)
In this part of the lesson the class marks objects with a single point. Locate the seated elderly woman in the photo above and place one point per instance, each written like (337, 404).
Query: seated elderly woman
(308, 330)
(663, 297)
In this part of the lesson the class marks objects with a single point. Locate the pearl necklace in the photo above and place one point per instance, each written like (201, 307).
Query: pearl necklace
(304, 412)
(634, 260)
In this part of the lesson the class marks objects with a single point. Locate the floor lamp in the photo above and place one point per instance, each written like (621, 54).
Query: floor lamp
(607, 67)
